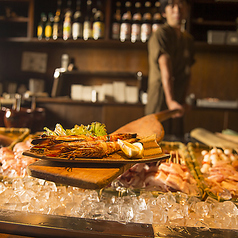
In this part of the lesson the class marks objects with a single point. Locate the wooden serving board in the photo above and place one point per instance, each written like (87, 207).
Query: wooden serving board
(88, 176)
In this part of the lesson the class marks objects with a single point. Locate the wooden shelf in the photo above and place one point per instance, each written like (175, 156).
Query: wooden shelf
(213, 23)
(216, 1)
(199, 45)
(213, 15)
(101, 43)
(15, 19)
(67, 100)
(103, 74)
(204, 46)
(90, 41)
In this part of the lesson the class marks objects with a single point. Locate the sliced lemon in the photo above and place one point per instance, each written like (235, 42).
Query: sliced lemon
(134, 150)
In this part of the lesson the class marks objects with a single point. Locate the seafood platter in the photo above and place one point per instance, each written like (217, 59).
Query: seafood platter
(62, 184)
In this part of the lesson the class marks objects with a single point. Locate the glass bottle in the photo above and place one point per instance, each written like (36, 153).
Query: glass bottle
(98, 24)
(77, 27)
(125, 29)
(57, 25)
(136, 23)
(87, 24)
(116, 22)
(67, 25)
(157, 18)
(146, 26)
(41, 26)
(49, 26)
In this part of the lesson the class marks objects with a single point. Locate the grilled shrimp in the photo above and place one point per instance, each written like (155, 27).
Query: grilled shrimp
(71, 150)
(50, 140)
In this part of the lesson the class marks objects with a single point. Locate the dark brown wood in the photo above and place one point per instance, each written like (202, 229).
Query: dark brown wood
(30, 26)
(214, 119)
(69, 113)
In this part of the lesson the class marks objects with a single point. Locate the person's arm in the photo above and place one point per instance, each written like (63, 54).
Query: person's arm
(167, 82)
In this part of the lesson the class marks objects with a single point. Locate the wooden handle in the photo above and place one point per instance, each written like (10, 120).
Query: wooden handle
(166, 114)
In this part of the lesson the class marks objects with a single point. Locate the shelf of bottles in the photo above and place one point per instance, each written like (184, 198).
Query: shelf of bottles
(100, 19)
(135, 22)
(70, 23)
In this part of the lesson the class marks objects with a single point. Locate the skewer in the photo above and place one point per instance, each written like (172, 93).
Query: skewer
(182, 160)
(176, 157)
(171, 156)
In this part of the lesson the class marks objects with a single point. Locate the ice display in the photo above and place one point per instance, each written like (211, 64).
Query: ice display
(34, 195)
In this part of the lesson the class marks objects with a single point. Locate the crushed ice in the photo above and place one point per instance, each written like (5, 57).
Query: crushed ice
(39, 196)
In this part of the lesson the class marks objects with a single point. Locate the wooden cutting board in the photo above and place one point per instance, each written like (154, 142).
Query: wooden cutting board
(89, 176)
(212, 139)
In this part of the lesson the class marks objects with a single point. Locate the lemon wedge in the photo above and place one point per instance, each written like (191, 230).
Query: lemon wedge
(134, 150)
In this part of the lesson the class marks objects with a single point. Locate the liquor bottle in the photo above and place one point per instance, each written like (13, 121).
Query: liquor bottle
(98, 23)
(41, 26)
(116, 22)
(49, 26)
(146, 26)
(87, 24)
(157, 18)
(125, 30)
(77, 27)
(136, 23)
(67, 25)
(57, 25)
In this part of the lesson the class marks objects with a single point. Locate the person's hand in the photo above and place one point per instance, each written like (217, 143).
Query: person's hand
(173, 105)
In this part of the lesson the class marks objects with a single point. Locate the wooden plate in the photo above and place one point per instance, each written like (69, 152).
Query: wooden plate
(116, 158)
(152, 153)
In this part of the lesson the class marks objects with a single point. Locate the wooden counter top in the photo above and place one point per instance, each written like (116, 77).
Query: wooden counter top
(67, 100)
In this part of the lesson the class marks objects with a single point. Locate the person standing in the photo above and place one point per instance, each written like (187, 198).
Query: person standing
(170, 56)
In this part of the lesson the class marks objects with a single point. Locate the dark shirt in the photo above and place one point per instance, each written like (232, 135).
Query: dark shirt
(181, 52)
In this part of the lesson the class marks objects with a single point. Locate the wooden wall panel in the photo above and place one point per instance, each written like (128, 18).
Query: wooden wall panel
(212, 120)
(214, 73)
(113, 116)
